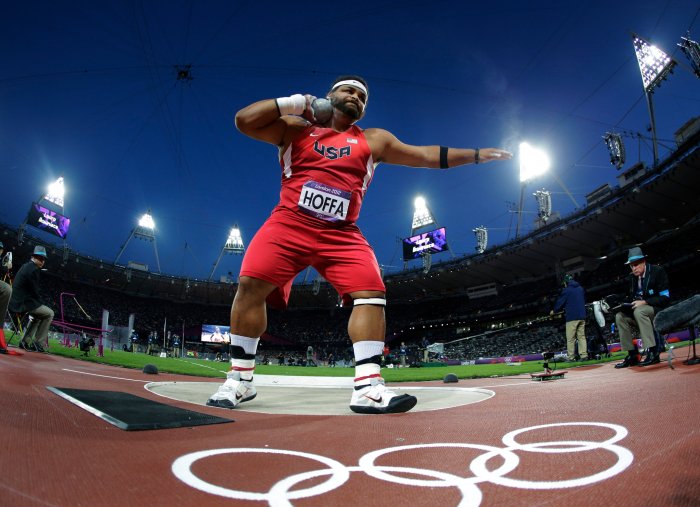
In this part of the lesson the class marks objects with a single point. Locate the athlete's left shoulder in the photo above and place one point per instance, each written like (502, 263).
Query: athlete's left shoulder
(374, 131)
(377, 136)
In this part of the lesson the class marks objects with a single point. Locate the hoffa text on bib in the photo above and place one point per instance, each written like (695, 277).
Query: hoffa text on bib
(324, 202)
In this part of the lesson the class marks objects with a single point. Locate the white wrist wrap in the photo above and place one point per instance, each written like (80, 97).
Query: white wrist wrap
(296, 104)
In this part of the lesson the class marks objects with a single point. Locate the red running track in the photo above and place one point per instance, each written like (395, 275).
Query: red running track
(625, 438)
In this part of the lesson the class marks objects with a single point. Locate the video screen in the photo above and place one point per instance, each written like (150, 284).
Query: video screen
(48, 220)
(431, 242)
(212, 333)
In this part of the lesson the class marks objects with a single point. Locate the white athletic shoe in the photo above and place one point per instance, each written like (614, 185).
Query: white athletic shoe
(375, 398)
(232, 392)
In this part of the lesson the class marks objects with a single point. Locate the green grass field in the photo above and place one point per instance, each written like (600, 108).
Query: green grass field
(203, 368)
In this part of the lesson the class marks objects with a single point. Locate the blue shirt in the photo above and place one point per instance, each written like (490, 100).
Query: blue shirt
(573, 301)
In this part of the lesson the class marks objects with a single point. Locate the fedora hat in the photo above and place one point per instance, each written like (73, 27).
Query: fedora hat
(635, 254)
(39, 251)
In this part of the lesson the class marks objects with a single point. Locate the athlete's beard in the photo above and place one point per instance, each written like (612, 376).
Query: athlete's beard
(353, 112)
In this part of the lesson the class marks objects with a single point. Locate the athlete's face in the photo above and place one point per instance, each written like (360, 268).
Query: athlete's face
(349, 100)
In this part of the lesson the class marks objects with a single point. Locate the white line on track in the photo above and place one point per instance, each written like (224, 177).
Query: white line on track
(508, 385)
(202, 365)
(107, 376)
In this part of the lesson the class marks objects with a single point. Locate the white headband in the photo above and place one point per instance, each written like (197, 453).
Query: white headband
(351, 82)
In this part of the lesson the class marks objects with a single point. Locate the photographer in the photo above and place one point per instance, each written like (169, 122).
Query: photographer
(650, 294)
(86, 344)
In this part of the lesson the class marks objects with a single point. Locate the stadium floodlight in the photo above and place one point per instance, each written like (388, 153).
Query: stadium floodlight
(544, 204)
(45, 217)
(691, 49)
(144, 230)
(655, 66)
(146, 221)
(533, 163)
(234, 241)
(616, 148)
(56, 192)
(421, 214)
(482, 238)
(234, 245)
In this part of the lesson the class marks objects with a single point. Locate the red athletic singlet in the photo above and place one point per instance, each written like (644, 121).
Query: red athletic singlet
(325, 174)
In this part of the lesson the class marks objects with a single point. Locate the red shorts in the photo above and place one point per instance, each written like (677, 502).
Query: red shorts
(285, 246)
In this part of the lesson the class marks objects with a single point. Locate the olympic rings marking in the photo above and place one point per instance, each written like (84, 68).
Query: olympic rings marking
(621, 432)
(625, 457)
(181, 469)
(280, 494)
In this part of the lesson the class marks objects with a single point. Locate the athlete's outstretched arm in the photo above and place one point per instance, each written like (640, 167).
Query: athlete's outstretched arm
(387, 148)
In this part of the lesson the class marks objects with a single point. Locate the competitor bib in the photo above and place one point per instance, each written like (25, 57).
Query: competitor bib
(324, 202)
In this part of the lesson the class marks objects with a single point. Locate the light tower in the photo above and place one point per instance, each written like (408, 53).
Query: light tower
(533, 163)
(422, 218)
(616, 148)
(691, 49)
(655, 66)
(47, 214)
(56, 193)
(146, 230)
(544, 204)
(233, 246)
(482, 238)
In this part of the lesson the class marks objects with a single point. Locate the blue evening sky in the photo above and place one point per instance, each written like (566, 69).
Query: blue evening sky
(89, 91)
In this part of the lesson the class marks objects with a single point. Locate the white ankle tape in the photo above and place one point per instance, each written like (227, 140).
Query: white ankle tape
(369, 301)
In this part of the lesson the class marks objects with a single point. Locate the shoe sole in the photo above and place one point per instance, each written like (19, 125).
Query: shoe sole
(225, 403)
(397, 405)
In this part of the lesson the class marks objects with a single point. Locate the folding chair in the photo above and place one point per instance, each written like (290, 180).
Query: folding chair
(20, 322)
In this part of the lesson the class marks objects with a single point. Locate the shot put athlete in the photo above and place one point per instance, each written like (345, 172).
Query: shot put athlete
(327, 165)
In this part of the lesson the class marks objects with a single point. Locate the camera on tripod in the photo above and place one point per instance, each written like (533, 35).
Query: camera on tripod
(547, 356)
(548, 373)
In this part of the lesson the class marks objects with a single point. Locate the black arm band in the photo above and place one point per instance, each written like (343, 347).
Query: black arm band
(278, 108)
(476, 156)
(443, 157)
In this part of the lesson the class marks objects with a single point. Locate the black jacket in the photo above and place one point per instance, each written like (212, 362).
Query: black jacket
(25, 289)
(654, 287)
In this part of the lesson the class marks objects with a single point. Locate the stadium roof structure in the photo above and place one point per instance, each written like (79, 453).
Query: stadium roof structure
(648, 202)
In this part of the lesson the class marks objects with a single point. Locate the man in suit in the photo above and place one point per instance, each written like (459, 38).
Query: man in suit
(650, 294)
(26, 298)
